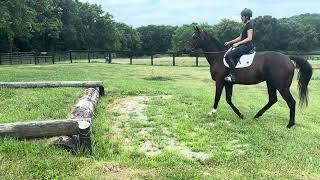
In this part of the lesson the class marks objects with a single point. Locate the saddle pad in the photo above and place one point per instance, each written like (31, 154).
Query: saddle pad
(245, 60)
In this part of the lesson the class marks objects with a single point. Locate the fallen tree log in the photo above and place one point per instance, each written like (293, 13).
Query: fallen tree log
(41, 129)
(85, 108)
(86, 105)
(54, 84)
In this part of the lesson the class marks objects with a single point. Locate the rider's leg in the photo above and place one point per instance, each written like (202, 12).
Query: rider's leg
(231, 75)
(232, 60)
(232, 64)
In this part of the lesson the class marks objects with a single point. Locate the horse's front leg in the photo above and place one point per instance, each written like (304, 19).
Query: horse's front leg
(229, 88)
(219, 88)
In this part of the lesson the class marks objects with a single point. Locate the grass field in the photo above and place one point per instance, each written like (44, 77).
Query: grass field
(153, 124)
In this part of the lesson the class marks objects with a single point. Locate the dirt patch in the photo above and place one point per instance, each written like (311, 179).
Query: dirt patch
(118, 172)
(187, 152)
(133, 109)
(158, 78)
(131, 106)
(150, 148)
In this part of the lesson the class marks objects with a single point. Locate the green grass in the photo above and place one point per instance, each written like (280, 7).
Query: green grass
(246, 149)
(18, 105)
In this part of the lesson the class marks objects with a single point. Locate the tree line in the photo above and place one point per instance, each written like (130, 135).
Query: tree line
(60, 25)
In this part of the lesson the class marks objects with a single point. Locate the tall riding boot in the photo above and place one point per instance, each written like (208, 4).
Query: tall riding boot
(231, 76)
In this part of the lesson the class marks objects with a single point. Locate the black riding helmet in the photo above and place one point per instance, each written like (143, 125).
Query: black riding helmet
(246, 12)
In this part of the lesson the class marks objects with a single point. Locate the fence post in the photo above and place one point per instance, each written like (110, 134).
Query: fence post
(104, 56)
(11, 63)
(35, 57)
(110, 60)
(20, 58)
(70, 56)
(89, 60)
(152, 60)
(52, 58)
(29, 59)
(130, 57)
(197, 60)
(173, 59)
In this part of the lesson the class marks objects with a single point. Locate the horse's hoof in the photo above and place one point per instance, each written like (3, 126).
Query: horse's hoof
(212, 112)
(241, 116)
(257, 116)
(290, 125)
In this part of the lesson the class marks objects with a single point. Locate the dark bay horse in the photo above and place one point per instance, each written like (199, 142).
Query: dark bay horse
(275, 68)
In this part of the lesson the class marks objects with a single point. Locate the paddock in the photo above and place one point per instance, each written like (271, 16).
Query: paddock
(152, 121)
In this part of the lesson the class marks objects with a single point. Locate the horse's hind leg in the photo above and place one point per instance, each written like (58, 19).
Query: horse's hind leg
(287, 96)
(229, 101)
(272, 91)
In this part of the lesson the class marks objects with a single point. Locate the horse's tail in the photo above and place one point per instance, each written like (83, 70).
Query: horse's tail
(304, 77)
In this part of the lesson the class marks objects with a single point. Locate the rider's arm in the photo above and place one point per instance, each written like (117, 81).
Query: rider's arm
(249, 38)
(235, 40)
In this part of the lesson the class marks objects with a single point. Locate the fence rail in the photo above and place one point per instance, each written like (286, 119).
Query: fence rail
(105, 56)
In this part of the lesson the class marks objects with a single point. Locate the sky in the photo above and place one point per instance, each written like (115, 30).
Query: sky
(178, 12)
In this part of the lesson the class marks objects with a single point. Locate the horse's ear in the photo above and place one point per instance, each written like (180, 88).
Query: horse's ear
(196, 28)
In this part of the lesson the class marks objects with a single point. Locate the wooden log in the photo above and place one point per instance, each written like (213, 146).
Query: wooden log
(41, 129)
(86, 105)
(51, 84)
(54, 84)
(85, 108)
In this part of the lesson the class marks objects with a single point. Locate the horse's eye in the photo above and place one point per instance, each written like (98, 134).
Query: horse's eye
(194, 36)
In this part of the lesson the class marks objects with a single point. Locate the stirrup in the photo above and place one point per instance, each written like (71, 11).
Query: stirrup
(229, 78)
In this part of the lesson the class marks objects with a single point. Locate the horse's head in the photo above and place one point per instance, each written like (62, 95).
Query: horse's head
(197, 41)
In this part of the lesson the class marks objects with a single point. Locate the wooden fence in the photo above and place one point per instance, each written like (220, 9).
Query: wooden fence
(73, 56)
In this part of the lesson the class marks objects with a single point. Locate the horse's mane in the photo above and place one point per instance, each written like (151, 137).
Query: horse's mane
(217, 43)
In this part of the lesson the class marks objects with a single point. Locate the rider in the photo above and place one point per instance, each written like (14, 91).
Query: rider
(242, 44)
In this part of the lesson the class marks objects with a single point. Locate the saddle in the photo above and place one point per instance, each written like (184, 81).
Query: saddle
(252, 51)
(244, 61)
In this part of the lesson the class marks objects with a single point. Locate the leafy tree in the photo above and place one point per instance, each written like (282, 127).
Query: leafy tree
(129, 38)
(183, 35)
(17, 21)
(156, 38)
(266, 32)
(48, 25)
(68, 11)
(227, 30)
